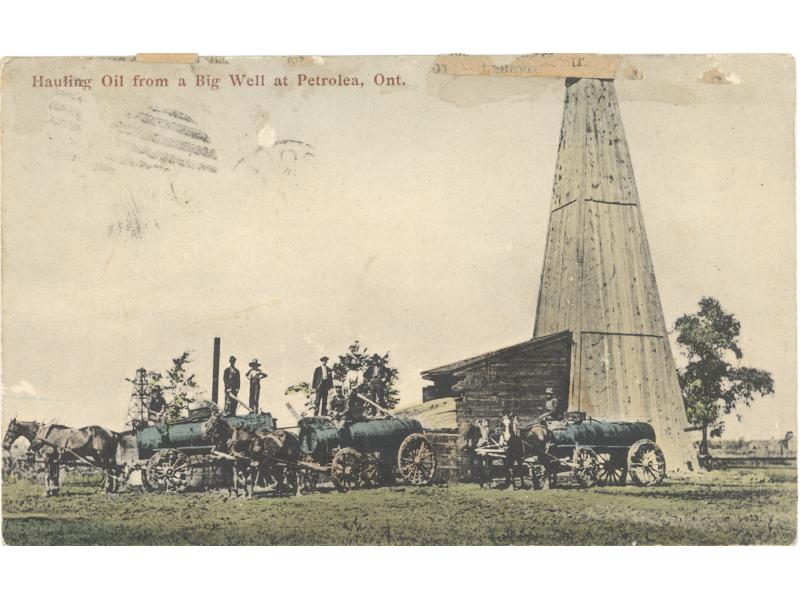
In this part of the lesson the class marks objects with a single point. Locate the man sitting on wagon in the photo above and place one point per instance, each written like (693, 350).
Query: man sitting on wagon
(553, 410)
(156, 407)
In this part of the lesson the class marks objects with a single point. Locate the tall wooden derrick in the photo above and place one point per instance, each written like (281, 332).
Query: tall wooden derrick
(598, 280)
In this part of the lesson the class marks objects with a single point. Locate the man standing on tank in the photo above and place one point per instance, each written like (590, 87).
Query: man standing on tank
(255, 375)
(232, 381)
(321, 384)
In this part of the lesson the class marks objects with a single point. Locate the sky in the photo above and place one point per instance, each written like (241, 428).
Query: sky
(409, 217)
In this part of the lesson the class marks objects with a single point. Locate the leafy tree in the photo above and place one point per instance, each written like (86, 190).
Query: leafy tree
(177, 385)
(355, 355)
(713, 382)
(181, 386)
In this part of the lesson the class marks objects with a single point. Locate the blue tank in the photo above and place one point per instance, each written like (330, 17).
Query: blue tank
(603, 433)
(320, 437)
(188, 436)
(379, 435)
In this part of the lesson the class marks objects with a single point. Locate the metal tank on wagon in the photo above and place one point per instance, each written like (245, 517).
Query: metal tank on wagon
(362, 453)
(170, 456)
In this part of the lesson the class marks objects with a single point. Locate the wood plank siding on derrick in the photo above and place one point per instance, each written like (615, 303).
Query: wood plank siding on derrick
(598, 279)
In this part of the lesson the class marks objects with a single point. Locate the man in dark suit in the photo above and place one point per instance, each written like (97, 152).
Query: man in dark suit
(322, 383)
(232, 381)
(377, 375)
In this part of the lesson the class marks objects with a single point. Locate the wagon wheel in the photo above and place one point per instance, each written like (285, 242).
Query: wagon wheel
(416, 460)
(346, 469)
(307, 478)
(373, 470)
(148, 487)
(538, 475)
(167, 471)
(585, 466)
(646, 463)
(612, 469)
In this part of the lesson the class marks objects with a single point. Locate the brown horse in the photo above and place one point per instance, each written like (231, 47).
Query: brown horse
(535, 442)
(57, 444)
(281, 447)
(249, 448)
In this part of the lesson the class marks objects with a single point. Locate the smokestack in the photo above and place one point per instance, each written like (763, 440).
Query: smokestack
(215, 374)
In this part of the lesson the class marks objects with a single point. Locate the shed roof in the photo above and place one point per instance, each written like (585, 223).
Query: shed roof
(479, 360)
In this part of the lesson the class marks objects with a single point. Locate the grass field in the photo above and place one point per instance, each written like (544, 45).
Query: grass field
(745, 506)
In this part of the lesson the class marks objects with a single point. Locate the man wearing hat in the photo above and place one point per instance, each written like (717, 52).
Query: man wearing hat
(376, 375)
(232, 382)
(551, 406)
(157, 408)
(255, 375)
(322, 384)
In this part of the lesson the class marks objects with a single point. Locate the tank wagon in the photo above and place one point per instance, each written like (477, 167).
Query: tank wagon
(364, 453)
(607, 452)
(595, 452)
(169, 455)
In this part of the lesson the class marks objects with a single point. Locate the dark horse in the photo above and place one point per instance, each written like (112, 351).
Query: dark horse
(516, 448)
(57, 444)
(254, 455)
(532, 442)
(474, 436)
(514, 451)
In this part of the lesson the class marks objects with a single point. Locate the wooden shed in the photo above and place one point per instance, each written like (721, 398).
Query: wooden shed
(517, 375)
(464, 391)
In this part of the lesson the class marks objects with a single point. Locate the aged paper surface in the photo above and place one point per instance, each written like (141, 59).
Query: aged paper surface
(494, 250)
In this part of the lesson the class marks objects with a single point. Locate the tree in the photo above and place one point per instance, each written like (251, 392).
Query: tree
(713, 382)
(354, 355)
(180, 387)
(177, 385)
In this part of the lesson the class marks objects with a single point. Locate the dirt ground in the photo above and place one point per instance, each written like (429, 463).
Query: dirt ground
(743, 506)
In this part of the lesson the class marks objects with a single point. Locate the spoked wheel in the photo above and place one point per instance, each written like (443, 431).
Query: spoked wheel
(167, 471)
(346, 469)
(585, 466)
(307, 478)
(646, 463)
(416, 460)
(611, 469)
(538, 475)
(374, 471)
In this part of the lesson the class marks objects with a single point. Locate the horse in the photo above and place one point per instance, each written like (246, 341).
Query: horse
(248, 448)
(54, 443)
(536, 441)
(514, 450)
(234, 441)
(281, 447)
(474, 436)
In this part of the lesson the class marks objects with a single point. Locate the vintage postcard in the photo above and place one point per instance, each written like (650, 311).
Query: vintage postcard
(416, 300)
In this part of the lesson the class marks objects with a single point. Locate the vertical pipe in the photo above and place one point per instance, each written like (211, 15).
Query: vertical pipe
(215, 374)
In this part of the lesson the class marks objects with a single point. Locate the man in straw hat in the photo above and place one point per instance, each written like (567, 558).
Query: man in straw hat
(321, 384)
(255, 375)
